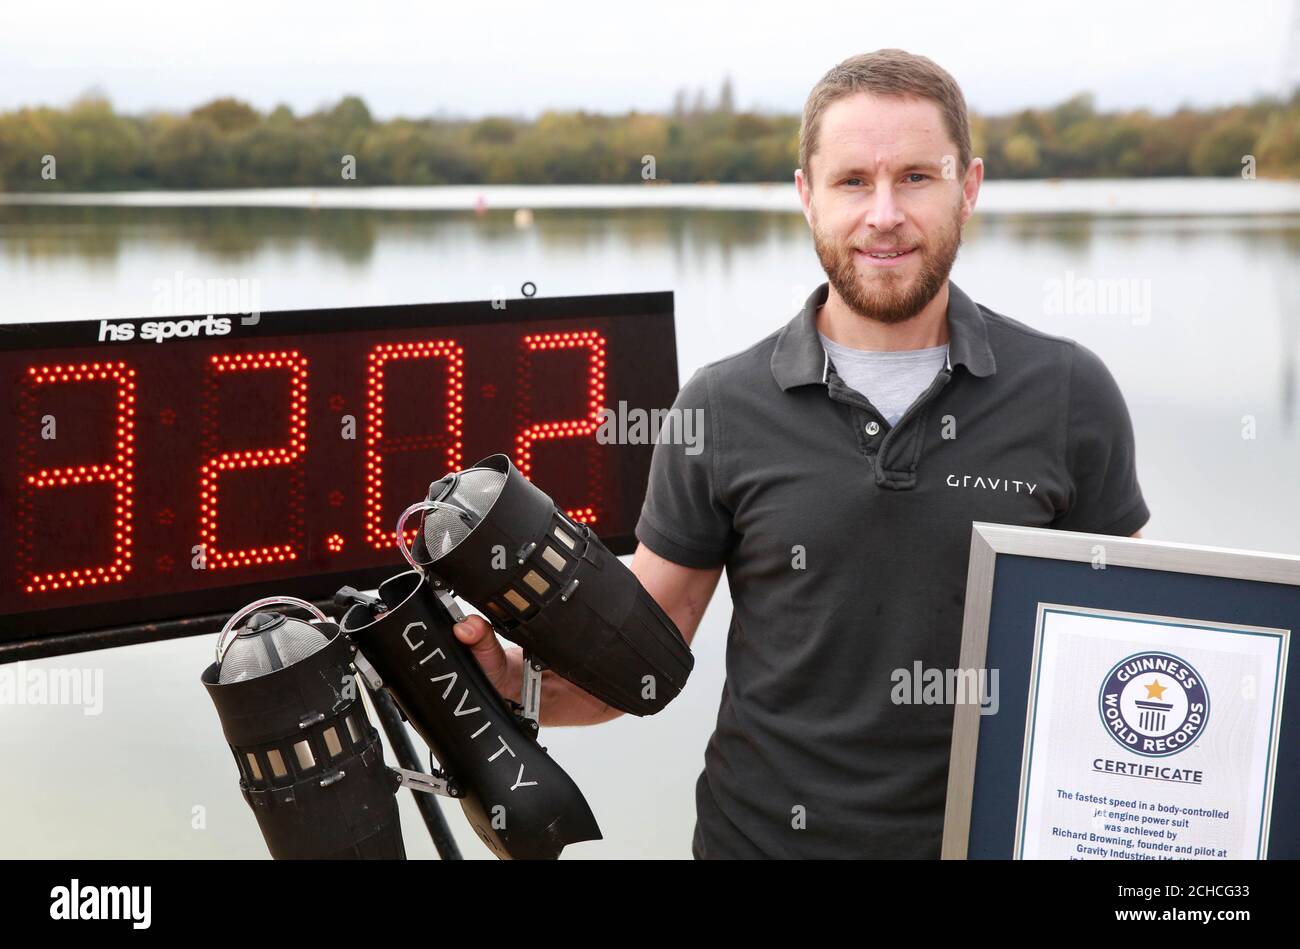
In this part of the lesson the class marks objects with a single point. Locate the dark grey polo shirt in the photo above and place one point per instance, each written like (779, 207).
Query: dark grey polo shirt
(846, 544)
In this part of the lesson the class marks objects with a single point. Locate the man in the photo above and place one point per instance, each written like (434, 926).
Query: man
(844, 459)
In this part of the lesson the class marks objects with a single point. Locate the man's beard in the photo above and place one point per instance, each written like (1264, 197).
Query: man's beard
(885, 296)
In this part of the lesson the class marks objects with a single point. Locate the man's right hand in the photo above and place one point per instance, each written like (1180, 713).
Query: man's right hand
(505, 675)
(562, 702)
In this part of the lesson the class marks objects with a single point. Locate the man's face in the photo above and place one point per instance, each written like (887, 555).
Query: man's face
(885, 181)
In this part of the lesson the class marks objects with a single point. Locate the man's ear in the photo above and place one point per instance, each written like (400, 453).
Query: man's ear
(970, 188)
(804, 187)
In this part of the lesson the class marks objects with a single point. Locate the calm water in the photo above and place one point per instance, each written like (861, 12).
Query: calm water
(1196, 311)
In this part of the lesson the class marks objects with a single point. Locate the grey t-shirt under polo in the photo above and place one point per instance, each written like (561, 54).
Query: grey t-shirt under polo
(846, 542)
(891, 381)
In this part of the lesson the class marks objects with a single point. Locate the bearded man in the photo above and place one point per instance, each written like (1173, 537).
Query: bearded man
(842, 461)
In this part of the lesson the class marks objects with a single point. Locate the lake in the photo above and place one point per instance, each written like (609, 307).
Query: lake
(1189, 290)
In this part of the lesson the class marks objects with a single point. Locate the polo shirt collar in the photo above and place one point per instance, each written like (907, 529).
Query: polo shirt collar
(799, 358)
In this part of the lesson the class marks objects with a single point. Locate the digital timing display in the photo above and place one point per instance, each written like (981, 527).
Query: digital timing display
(159, 469)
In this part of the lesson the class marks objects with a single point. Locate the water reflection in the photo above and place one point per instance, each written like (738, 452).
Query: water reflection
(235, 234)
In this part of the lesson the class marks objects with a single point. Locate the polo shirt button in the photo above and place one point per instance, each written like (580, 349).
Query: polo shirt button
(873, 428)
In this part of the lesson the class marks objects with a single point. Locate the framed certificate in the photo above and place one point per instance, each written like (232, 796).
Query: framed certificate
(1141, 705)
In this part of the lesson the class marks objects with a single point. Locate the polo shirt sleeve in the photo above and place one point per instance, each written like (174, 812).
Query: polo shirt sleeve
(682, 519)
(1100, 454)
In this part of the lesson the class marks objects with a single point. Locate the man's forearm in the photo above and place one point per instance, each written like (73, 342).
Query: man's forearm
(563, 703)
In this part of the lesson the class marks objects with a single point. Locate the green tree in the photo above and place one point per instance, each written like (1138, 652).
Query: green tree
(1221, 150)
(1277, 151)
(228, 115)
(1020, 154)
(189, 153)
(493, 131)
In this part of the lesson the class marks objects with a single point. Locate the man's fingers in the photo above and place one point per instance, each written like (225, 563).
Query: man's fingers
(476, 633)
(471, 630)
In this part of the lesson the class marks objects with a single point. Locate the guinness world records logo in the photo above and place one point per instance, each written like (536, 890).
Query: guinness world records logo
(1154, 704)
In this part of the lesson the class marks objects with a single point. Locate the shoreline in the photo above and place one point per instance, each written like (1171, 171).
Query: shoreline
(1140, 197)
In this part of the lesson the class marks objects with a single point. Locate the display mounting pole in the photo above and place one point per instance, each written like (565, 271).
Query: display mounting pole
(400, 741)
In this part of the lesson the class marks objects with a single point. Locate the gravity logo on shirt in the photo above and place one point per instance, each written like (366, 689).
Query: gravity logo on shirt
(986, 483)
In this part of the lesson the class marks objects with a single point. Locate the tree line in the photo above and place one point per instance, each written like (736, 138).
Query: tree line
(226, 143)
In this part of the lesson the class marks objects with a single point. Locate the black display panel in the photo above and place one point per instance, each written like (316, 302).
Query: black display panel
(157, 470)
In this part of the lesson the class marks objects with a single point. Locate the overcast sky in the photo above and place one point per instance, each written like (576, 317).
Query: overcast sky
(518, 57)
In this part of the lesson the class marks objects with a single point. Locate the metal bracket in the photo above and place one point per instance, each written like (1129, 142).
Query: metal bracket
(367, 671)
(449, 601)
(531, 690)
(428, 783)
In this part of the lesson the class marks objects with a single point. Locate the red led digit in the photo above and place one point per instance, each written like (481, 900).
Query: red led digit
(210, 472)
(583, 427)
(379, 528)
(119, 472)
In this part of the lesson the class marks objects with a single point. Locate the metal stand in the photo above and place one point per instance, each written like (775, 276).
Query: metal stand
(412, 775)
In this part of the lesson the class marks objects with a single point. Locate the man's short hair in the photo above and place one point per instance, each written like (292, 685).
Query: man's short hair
(887, 72)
